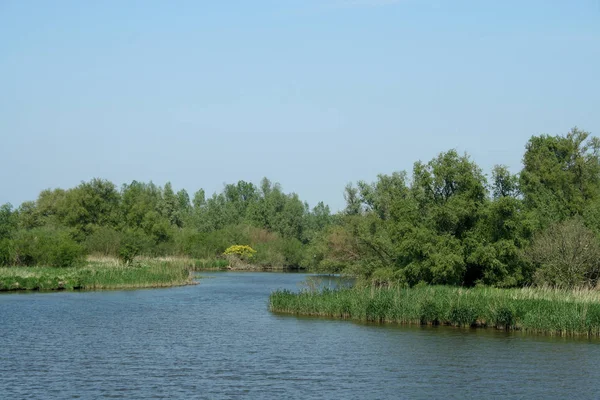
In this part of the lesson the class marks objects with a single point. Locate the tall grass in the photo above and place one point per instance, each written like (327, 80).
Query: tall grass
(210, 264)
(548, 311)
(97, 274)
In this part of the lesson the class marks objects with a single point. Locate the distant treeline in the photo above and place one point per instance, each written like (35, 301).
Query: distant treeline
(444, 224)
(96, 218)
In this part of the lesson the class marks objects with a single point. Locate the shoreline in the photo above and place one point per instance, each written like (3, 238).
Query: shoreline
(539, 311)
(95, 275)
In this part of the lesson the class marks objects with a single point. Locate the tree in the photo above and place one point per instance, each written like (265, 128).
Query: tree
(504, 183)
(561, 175)
(566, 254)
(494, 249)
(8, 221)
(169, 206)
(89, 205)
(29, 215)
(353, 206)
(450, 191)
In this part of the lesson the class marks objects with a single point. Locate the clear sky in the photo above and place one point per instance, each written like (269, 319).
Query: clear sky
(310, 93)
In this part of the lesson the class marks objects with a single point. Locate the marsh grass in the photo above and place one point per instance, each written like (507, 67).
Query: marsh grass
(97, 274)
(545, 310)
(210, 264)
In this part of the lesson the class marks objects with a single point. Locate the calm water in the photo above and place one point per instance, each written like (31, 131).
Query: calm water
(217, 340)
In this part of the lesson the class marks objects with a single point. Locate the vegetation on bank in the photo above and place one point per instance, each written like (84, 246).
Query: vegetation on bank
(211, 264)
(96, 275)
(446, 223)
(536, 310)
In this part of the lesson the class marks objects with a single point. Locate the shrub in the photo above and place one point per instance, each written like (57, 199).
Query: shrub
(268, 255)
(132, 244)
(244, 252)
(7, 252)
(104, 241)
(239, 255)
(47, 246)
(566, 255)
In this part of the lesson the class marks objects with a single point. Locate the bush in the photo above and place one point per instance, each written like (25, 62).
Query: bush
(268, 255)
(566, 255)
(291, 249)
(133, 243)
(47, 247)
(7, 252)
(244, 252)
(104, 241)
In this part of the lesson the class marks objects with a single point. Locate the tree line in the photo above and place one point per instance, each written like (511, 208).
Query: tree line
(445, 223)
(96, 217)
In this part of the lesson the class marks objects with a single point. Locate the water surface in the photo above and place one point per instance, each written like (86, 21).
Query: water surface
(217, 340)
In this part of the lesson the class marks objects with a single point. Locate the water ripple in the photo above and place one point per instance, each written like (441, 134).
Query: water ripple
(217, 340)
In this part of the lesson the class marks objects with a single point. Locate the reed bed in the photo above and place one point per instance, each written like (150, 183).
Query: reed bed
(96, 275)
(210, 264)
(536, 310)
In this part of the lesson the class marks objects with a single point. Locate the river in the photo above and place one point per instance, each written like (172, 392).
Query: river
(217, 340)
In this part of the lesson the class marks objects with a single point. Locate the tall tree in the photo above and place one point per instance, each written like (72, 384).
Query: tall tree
(91, 204)
(561, 175)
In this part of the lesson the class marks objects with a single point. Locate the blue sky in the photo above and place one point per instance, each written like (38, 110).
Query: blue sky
(312, 94)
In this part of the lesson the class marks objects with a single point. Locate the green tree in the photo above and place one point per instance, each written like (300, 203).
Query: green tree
(8, 221)
(29, 215)
(90, 205)
(169, 206)
(561, 175)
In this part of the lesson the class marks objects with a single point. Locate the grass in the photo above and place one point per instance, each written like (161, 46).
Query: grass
(541, 310)
(210, 264)
(97, 274)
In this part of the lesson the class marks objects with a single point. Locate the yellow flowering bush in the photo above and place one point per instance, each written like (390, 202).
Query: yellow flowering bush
(244, 252)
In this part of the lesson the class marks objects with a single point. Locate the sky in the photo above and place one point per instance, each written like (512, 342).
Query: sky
(312, 94)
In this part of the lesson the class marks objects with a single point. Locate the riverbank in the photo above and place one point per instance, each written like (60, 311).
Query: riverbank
(219, 264)
(97, 275)
(547, 311)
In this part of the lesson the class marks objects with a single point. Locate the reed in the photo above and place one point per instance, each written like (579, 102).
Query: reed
(545, 310)
(210, 264)
(97, 274)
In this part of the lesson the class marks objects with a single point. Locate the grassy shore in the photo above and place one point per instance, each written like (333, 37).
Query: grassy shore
(547, 311)
(98, 274)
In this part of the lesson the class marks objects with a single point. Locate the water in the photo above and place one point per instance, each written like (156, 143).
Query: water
(217, 340)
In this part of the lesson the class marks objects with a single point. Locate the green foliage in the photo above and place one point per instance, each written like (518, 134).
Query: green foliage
(447, 225)
(105, 241)
(46, 246)
(132, 244)
(7, 252)
(442, 224)
(561, 175)
(89, 205)
(566, 254)
(8, 221)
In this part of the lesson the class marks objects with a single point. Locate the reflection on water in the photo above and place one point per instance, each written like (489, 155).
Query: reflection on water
(217, 340)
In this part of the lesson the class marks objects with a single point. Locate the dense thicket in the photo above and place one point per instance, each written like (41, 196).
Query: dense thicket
(144, 219)
(446, 223)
